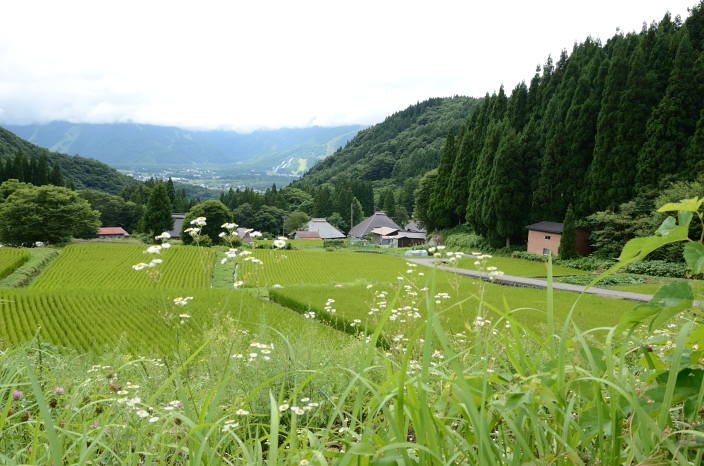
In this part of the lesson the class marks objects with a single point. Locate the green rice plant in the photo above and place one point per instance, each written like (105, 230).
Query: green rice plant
(314, 267)
(616, 279)
(138, 319)
(11, 258)
(97, 266)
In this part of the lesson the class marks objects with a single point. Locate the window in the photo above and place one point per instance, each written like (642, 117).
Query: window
(547, 236)
(546, 252)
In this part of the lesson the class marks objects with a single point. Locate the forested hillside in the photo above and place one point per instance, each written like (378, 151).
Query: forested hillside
(23, 160)
(593, 129)
(405, 145)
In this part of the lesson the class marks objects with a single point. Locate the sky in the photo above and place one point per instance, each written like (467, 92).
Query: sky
(263, 65)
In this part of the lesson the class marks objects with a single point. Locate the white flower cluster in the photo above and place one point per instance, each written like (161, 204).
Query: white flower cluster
(328, 306)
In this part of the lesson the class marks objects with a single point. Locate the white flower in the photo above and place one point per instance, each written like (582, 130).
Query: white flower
(283, 407)
(142, 413)
(222, 234)
(165, 246)
(222, 262)
(154, 249)
(153, 419)
(139, 266)
(182, 301)
(200, 221)
(242, 412)
(280, 243)
(255, 234)
(238, 283)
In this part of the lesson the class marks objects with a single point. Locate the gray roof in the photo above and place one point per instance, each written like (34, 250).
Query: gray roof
(244, 235)
(411, 234)
(413, 226)
(378, 220)
(549, 227)
(178, 223)
(324, 229)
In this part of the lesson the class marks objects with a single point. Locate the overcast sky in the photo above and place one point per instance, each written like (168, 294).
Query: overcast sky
(250, 65)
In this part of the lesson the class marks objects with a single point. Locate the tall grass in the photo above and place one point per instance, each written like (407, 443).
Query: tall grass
(506, 395)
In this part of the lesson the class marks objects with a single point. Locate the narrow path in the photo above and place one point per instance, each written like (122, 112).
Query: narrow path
(534, 282)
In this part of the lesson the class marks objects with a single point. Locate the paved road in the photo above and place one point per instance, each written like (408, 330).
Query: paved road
(534, 282)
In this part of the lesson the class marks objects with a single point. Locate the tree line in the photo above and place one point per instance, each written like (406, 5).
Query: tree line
(592, 130)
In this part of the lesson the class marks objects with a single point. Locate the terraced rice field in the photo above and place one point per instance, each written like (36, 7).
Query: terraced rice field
(456, 300)
(139, 320)
(11, 258)
(318, 267)
(94, 266)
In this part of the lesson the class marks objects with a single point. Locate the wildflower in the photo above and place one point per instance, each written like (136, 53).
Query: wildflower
(139, 266)
(440, 248)
(369, 287)
(238, 356)
(156, 249)
(313, 404)
(230, 424)
(153, 419)
(122, 392)
(200, 221)
(242, 412)
(304, 462)
(297, 410)
(165, 246)
(255, 234)
(59, 390)
(222, 234)
(95, 425)
(276, 285)
(279, 243)
(431, 250)
(184, 316)
(131, 385)
(142, 413)
(16, 395)
(155, 262)
(283, 407)
(182, 301)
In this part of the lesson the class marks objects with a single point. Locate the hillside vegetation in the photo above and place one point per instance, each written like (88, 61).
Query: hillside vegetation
(84, 173)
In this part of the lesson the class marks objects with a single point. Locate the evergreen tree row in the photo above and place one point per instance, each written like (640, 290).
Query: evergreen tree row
(592, 130)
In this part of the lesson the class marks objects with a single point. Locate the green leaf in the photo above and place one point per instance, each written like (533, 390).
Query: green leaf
(363, 449)
(672, 293)
(632, 249)
(684, 217)
(689, 205)
(694, 255)
(667, 226)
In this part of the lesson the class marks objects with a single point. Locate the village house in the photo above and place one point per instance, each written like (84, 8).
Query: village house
(112, 233)
(544, 238)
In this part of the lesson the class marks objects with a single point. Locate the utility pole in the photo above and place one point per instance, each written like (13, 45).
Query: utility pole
(351, 214)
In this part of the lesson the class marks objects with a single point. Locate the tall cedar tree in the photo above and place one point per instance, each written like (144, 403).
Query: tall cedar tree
(57, 179)
(438, 210)
(390, 203)
(568, 241)
(600, 172)
(672, 122)
(637, 102)
(466, 160)
(479, 186)
(421, 196)
(508, 189)
(548, 201)
(42, 177)
(157, 215)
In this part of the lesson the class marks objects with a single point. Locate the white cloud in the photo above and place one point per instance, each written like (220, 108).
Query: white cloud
(273, 64)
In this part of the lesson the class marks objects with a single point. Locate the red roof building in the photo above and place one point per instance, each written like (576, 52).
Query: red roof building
(112, 233)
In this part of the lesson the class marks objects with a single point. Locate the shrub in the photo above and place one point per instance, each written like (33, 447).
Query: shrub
(619, 279)
(658, 268)
(333, 243)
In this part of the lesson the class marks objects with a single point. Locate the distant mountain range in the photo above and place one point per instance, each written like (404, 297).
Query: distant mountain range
(289, 150)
